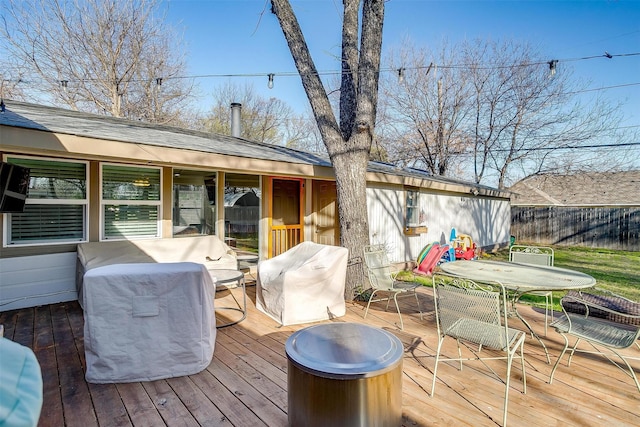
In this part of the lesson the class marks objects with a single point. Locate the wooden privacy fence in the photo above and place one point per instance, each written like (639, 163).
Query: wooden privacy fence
(596, 227)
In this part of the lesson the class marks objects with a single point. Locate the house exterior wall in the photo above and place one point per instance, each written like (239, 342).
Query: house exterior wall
(445, 203)
(30, 281)
(486, 220)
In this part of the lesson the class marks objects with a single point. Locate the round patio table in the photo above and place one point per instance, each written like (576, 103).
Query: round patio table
(519, 279)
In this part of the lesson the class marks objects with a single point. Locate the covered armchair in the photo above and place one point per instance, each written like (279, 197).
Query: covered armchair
(304, 284)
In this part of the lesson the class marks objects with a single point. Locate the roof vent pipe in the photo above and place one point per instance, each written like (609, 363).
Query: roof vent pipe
(236, 108)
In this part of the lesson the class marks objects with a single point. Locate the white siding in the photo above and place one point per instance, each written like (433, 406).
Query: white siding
(486, 220)
(37, 280)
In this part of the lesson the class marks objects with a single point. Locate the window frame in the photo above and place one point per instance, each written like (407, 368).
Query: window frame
(413, 226)
(407, 206)
(129, 202)
(8, 217)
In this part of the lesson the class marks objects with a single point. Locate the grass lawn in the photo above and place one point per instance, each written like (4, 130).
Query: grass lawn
(616, 271)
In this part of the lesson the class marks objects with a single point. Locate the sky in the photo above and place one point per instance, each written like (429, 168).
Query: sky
(240, 40)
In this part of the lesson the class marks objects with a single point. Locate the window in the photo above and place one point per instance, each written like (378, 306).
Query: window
(56, 207)
(194, 207)
(131, 201)
(242, 211)
(412, 214)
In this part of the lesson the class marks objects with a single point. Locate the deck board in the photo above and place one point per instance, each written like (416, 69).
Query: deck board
(245, 384)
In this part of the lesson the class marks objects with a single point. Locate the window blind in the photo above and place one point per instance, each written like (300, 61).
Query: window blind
(56, 206)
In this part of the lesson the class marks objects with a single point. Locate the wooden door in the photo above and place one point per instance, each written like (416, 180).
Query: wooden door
(286, 215)
(325, 205)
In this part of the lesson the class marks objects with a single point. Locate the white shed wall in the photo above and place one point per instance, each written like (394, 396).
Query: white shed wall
(486, 220)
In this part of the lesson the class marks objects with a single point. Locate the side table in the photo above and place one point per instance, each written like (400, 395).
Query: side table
(246, 261)
(230, 279)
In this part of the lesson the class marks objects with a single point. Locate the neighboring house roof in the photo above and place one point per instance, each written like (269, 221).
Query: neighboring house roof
(580, 189)
(62, 121)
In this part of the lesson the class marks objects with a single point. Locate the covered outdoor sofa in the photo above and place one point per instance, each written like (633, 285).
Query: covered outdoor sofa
(149, 306)
(209, 251)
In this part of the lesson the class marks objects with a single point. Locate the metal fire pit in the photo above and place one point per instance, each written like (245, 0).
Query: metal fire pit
(344, 374)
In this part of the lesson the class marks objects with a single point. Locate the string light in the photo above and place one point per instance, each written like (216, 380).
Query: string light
(400, 72)
(428, 69)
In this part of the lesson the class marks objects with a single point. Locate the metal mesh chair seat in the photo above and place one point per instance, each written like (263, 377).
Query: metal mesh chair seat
(478, 332)
(599, 331)
(404, 286)
(607, 321)
(476, 314)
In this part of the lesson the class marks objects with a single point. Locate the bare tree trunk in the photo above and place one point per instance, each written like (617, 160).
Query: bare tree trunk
(350, 170)
(348, 143)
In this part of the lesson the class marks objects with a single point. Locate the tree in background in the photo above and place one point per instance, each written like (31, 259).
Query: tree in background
(526, 113)
(485, 110)
(347, 139)
(425, 108)
(262, 119)
(11, 80)
(113, 57)
(301, 133)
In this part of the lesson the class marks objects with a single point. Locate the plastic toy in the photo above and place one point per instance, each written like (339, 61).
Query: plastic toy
(463, 246)
(429, 257)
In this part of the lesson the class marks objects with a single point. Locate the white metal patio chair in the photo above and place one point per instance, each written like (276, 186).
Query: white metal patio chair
(383, 280)
(608, 322)
(536, 255)
(472, 313)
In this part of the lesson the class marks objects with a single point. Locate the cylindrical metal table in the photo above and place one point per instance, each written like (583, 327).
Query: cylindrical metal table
(344, 374)
(230, 279)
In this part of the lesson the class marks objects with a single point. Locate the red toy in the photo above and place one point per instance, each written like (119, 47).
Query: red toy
(464, 247)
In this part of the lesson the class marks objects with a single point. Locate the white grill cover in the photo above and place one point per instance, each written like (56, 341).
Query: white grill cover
(144, 322)
(304, 284)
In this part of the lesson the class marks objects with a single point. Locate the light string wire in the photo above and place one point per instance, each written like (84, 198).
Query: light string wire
(400, 71)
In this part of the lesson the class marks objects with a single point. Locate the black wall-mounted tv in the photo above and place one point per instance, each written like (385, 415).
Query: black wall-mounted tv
(14, 187)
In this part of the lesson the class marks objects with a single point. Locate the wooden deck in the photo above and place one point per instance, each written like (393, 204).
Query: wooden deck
(246, 384)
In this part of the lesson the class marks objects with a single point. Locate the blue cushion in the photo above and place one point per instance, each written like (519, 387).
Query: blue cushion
(20, 385)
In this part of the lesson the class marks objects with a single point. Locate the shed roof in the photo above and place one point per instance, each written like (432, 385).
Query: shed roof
(580, 189)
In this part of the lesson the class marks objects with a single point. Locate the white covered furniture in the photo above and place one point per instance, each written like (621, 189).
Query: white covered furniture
(144, 322)
(210, 251)
(304, 284)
